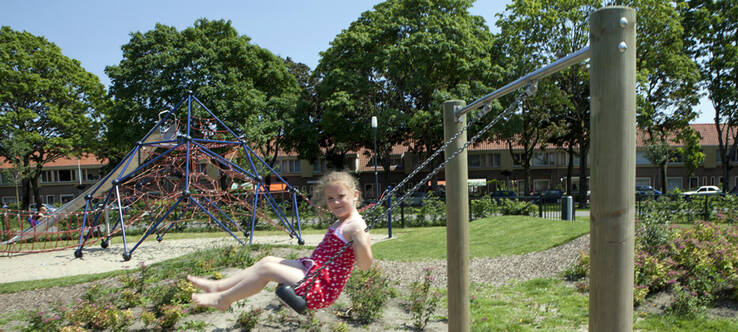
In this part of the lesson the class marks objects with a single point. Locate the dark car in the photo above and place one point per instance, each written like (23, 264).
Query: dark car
(645, 191)
(498, 195)
(551, 195)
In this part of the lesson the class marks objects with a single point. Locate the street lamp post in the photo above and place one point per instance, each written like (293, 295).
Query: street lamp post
(376, 177)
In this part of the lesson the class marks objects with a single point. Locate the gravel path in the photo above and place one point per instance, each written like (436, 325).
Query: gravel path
(499, 270)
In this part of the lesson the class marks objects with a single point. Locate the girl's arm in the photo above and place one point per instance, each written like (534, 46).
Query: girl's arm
(362, 247)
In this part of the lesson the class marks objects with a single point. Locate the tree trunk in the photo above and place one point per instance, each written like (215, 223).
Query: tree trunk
(26, 194)
(662, 175)
(569, 169)
(583, 185)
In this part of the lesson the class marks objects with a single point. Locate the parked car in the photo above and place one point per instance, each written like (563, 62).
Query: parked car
(703, 191)
(551, 195)
(498, 195)
(644, 191)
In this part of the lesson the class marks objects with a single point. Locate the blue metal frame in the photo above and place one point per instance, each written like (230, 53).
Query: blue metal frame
(253, 176)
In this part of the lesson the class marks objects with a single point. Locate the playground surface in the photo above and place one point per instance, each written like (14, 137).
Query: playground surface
(23, 267)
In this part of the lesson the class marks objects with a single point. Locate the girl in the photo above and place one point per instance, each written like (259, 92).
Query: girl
(338, 192)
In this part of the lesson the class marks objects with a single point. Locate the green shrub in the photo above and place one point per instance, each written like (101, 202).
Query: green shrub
(514, 207)
(578, 270)
(173, 292)
(41, 321)
(340, 327)
(170, 315)
(435, 209)
(483, 207)
(247, 319)
(368, 292)
(423, 300)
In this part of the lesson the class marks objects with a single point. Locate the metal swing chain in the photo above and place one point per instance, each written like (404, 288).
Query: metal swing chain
(529, 91)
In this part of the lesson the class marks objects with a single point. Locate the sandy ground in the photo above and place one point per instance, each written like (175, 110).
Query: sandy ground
(20, 267)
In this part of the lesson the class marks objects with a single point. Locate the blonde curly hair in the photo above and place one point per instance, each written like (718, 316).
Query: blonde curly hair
(344, 178)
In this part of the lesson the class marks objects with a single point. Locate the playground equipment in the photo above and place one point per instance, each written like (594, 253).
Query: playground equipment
(187, 168)
(184, 169)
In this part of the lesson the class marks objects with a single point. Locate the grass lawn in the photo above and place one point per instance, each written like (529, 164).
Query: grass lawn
(553, 305)
(489, 237)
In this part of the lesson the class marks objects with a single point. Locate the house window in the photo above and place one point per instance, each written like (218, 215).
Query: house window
(66, 198)
(712, 180)
(289, 166)
(643, 181)
(92, 174)
(694, 182)
(369, 190)
(47, 176)
(495, 160)
(319, 166)
(673, 183)
(517, 159)
(66, 175)
(475, 161)
(50, 199)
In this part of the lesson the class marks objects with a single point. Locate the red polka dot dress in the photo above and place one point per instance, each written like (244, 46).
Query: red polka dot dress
(331, 280)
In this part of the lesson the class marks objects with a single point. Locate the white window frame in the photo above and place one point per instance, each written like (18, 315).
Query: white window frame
(670, 180)
(475, 160)
(50, 201)
(63, 197)
(643, 181)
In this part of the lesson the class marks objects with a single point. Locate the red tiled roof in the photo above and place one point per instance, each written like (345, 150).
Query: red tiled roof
(84, 160)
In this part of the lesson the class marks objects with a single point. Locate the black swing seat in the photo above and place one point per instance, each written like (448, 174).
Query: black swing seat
(287, 295)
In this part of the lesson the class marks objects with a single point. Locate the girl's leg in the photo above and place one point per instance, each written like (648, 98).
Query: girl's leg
(247, 282)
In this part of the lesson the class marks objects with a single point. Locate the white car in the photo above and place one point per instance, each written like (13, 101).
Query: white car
(704, 190)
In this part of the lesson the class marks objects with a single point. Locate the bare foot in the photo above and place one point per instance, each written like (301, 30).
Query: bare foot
(206, 285)
(211, 300)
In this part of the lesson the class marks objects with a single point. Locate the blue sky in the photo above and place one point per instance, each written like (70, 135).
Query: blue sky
(92, 31)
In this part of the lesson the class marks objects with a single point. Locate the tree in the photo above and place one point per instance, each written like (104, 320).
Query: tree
(666, 78)
(395, 62)
(248, 87)
(711, 31)
(535, 33)
(49, 106)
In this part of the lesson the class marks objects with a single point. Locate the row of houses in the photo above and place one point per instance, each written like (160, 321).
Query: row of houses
(491, 166)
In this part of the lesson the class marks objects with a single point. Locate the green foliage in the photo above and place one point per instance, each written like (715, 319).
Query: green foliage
(434, 209)
(578, 270)
(247, 319)
(696, 264)
(423, 300)
(248, 87)
(340, 327)
(170, 293)
(50, 106)
(170, 315)
(398, 62)
(94, 316)
(709, 31)
(194, 325)
(513, 207)
(483, 207)
(368, 292)
(41, 321)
